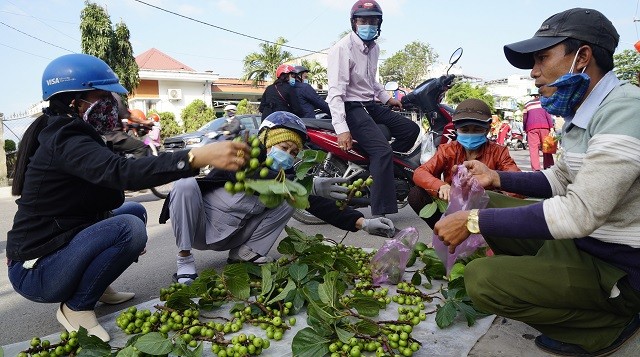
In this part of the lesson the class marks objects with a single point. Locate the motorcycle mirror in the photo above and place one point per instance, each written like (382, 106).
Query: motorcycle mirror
(391, 86)
(455, 57)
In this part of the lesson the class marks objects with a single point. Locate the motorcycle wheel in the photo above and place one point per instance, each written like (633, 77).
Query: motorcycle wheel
(329, 168)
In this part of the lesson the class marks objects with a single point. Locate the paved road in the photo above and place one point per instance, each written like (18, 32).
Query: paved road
(22, 319)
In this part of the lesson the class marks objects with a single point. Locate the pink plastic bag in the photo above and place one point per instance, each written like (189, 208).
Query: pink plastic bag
(466, 194)
(389, 263)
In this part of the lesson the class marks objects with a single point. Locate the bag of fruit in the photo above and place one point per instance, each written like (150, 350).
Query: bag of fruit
(390, 261)
(550, 144)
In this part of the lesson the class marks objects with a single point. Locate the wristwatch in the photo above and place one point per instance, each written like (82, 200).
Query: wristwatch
(473, 225)
(190, 157)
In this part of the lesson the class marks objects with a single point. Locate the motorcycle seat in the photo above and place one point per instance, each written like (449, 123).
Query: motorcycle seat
(318, 123)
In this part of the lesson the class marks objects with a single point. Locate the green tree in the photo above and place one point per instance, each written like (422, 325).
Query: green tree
(317, 73)
(409, 66)
(98, 38)
(9, 145)
(260, 65)
(464, 90)
(244, 107)
(627, 65)
(196, 114)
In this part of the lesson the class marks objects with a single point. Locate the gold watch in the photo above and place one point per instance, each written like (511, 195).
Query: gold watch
(190, 158)
(473, 225)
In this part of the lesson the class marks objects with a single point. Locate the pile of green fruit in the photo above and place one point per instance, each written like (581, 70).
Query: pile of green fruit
(356, 189)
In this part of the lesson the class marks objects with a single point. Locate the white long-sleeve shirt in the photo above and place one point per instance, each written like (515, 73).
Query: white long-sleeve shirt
(351, 72)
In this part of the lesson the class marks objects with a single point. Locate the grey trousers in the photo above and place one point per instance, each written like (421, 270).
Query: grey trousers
(221, 221)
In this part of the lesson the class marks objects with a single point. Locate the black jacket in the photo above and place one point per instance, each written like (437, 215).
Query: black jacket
(279, 97)
(310, 100)
(320, 207)
(73, 180)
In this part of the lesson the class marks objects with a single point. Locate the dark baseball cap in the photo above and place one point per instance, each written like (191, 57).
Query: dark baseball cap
(586, 25)
(472, 111)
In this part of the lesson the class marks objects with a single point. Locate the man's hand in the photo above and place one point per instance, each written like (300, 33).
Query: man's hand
(452, 229)
(329, 187)
(486, 177)
(224, 155)
(444, 192)
(344, 141)
(380, 226)
(393, 102)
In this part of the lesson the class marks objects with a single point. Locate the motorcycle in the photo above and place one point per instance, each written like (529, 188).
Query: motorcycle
(353, 164)
(516, 141)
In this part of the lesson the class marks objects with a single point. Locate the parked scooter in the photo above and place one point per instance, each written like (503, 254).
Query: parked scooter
(516, 141)
(354, 164)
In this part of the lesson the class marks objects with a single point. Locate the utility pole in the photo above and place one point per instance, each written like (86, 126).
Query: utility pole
(3, 156)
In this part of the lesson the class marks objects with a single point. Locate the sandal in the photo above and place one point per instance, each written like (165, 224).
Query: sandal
(191, 278)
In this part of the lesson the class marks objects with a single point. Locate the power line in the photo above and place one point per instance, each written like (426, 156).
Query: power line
(42, 22)
(24, 33)
(17, 49)
(225, 29)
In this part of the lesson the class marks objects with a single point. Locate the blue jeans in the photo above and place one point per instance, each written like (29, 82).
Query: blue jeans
(79, 272)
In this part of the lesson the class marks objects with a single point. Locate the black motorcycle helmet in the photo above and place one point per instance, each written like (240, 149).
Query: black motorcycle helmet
(366, 8)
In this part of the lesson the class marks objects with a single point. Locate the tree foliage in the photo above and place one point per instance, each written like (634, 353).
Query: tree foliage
(244, 107)
(409, 66)
(627, 65)
(464, 90)
(317, 73)
(196, 114)
(100, 39)
(9, 145)
(258, 66)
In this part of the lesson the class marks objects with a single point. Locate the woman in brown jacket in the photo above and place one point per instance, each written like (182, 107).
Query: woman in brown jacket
(472, 120)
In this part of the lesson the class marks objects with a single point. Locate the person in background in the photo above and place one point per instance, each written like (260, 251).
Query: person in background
(472, 120)
(205, 216)
(281, 95)
(73, 234)
(156, 130)
(353, 91)
(308, 97)
(503, 132)
(569, 265)
(232, 126)
(537, 123)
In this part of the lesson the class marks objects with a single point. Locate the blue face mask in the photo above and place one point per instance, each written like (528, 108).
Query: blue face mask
(281, 159)
(367, 32)
(305, 81)
(471, 141)
(292, 82)
(570, 89)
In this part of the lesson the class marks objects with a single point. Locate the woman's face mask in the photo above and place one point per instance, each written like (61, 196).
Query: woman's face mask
(292, 81)
(570, 89)
(471, 141)
(281, 159)
(102, 115)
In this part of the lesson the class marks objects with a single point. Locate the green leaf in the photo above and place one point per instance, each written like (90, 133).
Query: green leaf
(271, 200)
(237, 280)
(267, 280)
(308, 343)
(428, 210)
(365, 305)
(180, 300)
(344, 335)
(128, 351)
(93, 343)
(286, 247)
(327, 289)
(298, 301)
(469, 312)
(367, 328)
(346, 264)
(291, 285)
(442, 205)
(154, 343)
(94, 351)
(299, 201)
(416, 279)
(180, 348)
(445, 314)
(298, 271)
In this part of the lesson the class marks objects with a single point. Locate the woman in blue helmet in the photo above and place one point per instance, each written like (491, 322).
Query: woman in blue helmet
(73, 234)
(205, 216)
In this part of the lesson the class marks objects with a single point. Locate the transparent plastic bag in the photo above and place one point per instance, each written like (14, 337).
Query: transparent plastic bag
(427, 147)
(466, 194)
(389, 263)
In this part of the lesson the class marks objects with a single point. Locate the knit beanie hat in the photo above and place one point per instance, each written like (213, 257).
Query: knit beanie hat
(270, 137)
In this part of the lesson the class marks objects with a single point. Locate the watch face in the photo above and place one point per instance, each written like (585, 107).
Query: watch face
(473, 226)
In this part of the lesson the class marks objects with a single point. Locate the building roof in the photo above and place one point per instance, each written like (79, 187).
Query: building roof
(154, 59)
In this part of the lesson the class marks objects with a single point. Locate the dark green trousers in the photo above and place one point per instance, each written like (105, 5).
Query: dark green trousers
(552, 286)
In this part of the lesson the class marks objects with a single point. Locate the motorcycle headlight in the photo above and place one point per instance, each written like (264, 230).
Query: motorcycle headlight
(193, 141)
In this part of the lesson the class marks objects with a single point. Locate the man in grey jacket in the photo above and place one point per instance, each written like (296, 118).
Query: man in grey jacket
(568, 265)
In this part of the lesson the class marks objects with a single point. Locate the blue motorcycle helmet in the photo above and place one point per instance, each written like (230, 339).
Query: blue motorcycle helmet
(79, 72)
(287, 120)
